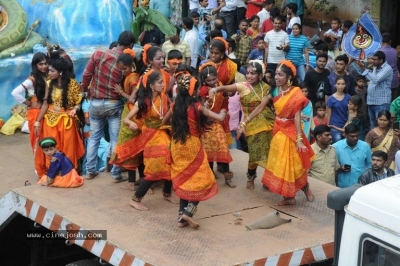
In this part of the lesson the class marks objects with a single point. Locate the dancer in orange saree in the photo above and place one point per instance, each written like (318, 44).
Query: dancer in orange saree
(216, 141)
(127, 152)
(61, 103)
(154, 140)
(192, 178)
(31, 93)
(290, 154)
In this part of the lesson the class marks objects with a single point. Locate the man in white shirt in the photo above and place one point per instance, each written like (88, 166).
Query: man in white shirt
(276, 41)
(292, 17)
(191, 37)
(228, 14)
(264, 13)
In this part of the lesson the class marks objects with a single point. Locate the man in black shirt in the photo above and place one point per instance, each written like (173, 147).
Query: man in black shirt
(316, 79)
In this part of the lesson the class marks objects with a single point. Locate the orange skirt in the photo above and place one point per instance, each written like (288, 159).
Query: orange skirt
(72, 179)
(286, 170)
(128, 152)
(215, 144)
(156, 154)
(68, 138)
(191, 175)
(38, 156)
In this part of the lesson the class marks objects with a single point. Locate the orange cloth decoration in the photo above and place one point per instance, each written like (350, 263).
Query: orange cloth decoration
(146, 76)
(223, 41)
(129, 52)
(290, 65)
(144, 53)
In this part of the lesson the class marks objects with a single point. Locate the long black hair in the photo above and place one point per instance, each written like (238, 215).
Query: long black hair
(61, 65)
(183, 102)
(145, 94)
(40, 83)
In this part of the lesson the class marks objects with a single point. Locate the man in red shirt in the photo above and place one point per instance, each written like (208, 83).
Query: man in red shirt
(268, 24)
(106, 104)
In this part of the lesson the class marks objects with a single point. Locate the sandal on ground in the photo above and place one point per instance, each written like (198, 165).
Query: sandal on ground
(228, 179)
(250, 181)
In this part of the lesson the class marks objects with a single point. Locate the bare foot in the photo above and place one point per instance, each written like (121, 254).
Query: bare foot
(309, 195)
(230, 183)
(138, 205)
(150, 191)
(250, 184)
(172, 199)
(286, 202)
(129, 186)
(182, 224)
(191, 221)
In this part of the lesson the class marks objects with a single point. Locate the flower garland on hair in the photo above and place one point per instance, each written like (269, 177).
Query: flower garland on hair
(290, 65)
(146, 76)
(129, 52)
(207, 64)
(261, 63)
(189, 83)
(144, 52)
(223, 41)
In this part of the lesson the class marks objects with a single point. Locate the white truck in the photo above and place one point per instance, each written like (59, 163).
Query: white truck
(367, 224)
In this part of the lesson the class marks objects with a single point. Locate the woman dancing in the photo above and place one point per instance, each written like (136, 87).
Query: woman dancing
(254, 94)
(192, 178)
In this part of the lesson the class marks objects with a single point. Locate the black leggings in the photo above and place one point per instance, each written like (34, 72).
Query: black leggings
(225, 166)
(132, 173)
(184, 203)
(145, 185)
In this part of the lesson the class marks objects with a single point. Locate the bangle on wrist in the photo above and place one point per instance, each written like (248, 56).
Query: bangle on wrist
(214, 90)
(36, 124)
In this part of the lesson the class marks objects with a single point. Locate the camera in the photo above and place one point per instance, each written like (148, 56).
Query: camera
(205, 15)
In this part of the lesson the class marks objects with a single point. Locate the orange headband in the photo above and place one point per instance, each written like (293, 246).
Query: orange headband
(223, 41)
(207, 64)
(144, 53)
(129, 52)
(290, 65)
(174, 61)
(192, 85)
(145, 77)
(184, 72)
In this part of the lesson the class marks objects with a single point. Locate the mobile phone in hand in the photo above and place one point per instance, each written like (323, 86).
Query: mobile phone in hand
(396, 125)
(347, 166)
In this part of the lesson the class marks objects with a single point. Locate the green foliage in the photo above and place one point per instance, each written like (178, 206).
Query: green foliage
(321, 6)
(145, 20)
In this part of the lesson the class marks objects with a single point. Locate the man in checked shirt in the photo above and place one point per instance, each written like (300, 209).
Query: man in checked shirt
(106, 104)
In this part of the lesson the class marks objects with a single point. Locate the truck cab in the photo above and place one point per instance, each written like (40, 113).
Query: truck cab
(367, 229)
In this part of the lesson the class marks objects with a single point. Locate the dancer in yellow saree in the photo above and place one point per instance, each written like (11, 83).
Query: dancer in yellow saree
(290, 154)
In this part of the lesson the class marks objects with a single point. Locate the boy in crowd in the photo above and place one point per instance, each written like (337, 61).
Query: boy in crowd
(320, 118)
(231, 48)
(258, 53)
(335, 34)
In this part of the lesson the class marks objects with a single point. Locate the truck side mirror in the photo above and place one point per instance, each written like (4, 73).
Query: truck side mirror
(337, 199)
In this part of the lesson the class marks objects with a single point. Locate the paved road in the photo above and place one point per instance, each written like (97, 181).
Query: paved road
(16, 162)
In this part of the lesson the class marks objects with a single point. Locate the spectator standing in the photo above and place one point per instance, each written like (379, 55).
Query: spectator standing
(298, 51)
(258, 53)
(354, 157)
(264, 13)
(253, 7)
(378, 171)
(154, 36)
(379, 93)
(244, 43)
(191, 37)
(193, 5)
(106, 106)
(391, 59)
(345, 28)
(325, 165)
(300, 8)
(341, 63)
(176, 43)
(241, 9)
(316, 78)
(292, 18)
(268, 24)
(275, 42)
(228, 14)
(335, 34)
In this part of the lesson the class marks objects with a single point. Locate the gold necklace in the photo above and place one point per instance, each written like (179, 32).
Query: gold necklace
(262, 92)
(284, 92)
(161, 112)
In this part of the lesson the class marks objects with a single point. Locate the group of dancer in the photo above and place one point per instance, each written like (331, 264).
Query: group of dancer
(175, 125)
